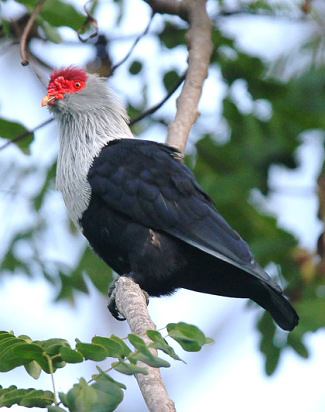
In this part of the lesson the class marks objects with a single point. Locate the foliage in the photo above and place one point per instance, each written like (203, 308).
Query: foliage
(231, 169)
(102, 392)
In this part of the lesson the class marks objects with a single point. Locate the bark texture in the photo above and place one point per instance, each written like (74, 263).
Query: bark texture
(131, 302)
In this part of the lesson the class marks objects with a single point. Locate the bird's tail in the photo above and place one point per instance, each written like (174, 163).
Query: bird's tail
(280, 309)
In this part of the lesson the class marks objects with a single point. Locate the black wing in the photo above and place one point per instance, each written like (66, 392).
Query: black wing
(145, 181)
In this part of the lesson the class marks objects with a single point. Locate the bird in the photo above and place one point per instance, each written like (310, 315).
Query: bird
(140, 207)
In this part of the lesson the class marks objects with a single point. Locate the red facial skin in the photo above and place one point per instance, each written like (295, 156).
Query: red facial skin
(69, 80)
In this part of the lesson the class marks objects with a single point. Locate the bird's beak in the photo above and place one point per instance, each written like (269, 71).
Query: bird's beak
(48, 100)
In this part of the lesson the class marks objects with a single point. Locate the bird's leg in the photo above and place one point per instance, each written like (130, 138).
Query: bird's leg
(112, 295)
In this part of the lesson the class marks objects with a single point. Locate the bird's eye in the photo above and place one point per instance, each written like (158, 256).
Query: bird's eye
(77, 84)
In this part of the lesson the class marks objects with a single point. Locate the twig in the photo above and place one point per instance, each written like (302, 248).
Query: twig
(49, 359)
(115, 66)
(131, 303)
(27, 29)
(200, 47)
(157, 106)
(89, 20)
(169, 7)
(25, 134)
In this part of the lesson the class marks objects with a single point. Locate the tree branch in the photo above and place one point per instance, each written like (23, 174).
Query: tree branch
(26, 134)
(131, 303)
(115, 66)
(200, 47)
(89, 20)
(172, 7)
(27, 29)
(157, 106)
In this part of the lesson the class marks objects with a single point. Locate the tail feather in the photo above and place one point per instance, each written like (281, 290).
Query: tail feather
(279, 307)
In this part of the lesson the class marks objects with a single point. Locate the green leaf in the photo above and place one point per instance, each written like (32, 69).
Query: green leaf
(16, 352)
(144, 353)
(10, 130)
(311, 311)
(51, 32)
(272, 360)
(190, 337)
(92, 351)
(267, 347)
(57, 13)
(115, 348)
(128, 369)
(170, 79)
(172, 36)
(20, 351)
(160, 343)
(150, 359)
(124, 350)
(98, 272)
(33, 369)
(111, 389)
(81, 398)
(52, 346)
(297, 345)
(135, 67)
(102, 396)
(71, 356)
(25, 397)
(55, 409)
(48, 184)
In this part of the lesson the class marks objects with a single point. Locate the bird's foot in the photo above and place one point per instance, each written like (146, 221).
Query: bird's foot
(112, 303)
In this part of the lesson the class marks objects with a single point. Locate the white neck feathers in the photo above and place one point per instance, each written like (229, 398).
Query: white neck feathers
(83, 133)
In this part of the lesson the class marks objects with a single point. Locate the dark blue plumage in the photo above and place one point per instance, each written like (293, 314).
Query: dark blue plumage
(141, 209)
(149, 218)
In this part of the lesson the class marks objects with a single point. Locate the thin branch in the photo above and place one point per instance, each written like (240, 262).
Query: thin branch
(25, 134)
(131, 303)
(157, 106)
(199, 46)
(27, 29)
(89, 20)
(169, 7)
(115, 66)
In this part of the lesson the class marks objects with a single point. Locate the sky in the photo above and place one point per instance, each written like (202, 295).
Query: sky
(227, 375)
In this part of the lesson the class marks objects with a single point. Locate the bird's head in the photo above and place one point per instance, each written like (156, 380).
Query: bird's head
(64, 82)
(71, 89)
(79, 100)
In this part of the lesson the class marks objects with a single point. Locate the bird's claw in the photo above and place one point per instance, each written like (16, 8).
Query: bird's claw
(112, 303)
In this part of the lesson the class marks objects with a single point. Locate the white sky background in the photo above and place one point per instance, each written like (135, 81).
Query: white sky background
(226, 376)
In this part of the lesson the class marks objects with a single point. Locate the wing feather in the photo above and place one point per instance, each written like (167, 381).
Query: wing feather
(145, 181)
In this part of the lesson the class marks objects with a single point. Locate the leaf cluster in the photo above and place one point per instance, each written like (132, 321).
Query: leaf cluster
(101, 392)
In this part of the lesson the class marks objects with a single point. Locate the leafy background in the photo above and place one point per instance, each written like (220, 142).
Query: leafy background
(257, 148)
